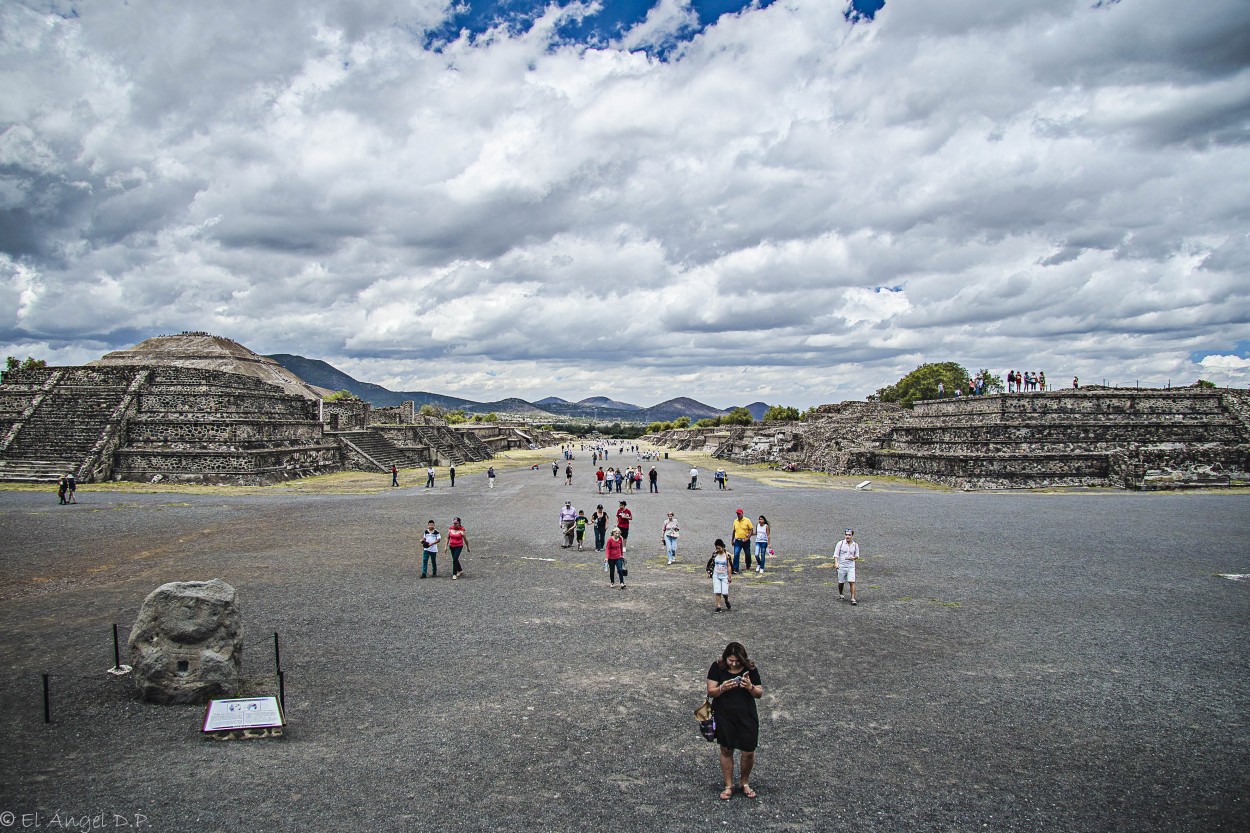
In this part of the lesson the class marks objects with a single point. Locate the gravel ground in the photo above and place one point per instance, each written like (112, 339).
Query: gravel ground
(1018, 661)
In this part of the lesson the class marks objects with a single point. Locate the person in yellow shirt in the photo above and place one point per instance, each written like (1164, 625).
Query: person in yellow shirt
(743, 529)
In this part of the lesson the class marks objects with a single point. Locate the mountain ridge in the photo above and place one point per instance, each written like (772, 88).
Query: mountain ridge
(325, 375)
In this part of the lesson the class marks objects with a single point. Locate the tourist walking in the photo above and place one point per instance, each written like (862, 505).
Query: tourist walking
(694, 478)
(668, 537)
(451, 474)
(718, 571)
(743, 529)
(845, 554)
(429, 478)
(599, 480)
(734, 684)
(762, 536)
(623, 517)
(394, 475)
(568, 475)
(579, 528)
(429, 551)
(653, 477)
(457, 540)
(600, 522)
(490, 476)
(568, 518)
(555, 468)
(71, 485)
(62, 488)
(616, 554)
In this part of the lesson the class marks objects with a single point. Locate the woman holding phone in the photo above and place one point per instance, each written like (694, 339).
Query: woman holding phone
(733, 683)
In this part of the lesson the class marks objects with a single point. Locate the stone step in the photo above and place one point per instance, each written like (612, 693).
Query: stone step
(35, 471)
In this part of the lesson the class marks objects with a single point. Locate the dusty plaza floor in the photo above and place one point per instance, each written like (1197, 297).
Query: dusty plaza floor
(1031, 662)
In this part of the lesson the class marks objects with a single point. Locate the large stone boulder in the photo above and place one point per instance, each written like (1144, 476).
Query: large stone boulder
(187, 644)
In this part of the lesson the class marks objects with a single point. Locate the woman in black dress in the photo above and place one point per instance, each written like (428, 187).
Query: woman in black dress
(733, 683)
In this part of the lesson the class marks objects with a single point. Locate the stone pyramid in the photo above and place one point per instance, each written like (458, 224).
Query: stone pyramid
(211, 352)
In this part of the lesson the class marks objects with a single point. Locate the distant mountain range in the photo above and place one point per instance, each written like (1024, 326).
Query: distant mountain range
(598, 408)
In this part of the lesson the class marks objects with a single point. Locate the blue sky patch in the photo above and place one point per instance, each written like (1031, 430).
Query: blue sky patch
(1241, 350)
(860, 10)
(614, 19)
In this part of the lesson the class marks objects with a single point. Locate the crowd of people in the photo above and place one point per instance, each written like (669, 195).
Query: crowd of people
(1018, 382)
(734, 683)
(1026, 381)
(628, 479)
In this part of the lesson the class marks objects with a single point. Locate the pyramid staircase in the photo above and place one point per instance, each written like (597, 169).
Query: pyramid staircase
(377, 452)
(70, 421)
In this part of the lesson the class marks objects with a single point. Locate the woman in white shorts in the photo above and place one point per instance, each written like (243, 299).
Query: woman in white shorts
(718, 569)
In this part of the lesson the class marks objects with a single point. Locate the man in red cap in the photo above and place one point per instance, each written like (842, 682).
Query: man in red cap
(742, 532)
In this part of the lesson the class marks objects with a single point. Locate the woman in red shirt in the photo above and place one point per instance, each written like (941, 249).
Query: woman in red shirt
(616, 551)
(456, 540)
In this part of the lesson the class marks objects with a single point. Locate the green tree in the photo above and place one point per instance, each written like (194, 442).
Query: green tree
(491, 417)
(342, 396)
(708, 422)
(779, 413)
(738, 416)
(431, 410)
(922, 383)
(656, 427)
(14, 363)
(1203, 383)
(681, 422)
(455, 417)
(993, 384)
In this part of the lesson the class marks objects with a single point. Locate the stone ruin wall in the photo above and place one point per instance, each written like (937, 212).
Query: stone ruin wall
(1125, 438)
(210, 426)
(825, 441)
(346, 414)
(195, 424)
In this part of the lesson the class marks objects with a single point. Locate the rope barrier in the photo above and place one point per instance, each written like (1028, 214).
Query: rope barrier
(70, 671)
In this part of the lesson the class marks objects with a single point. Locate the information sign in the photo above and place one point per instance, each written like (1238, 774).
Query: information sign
(243, 713)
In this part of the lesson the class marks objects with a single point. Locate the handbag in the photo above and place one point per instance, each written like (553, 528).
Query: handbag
(621, 569)
(707, 720)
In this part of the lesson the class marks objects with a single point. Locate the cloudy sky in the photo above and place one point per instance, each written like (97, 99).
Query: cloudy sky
(795, 201)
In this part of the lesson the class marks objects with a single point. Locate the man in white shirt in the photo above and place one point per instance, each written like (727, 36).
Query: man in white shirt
(568, 518)
(845, 554)
(429, 549)
(694, 478)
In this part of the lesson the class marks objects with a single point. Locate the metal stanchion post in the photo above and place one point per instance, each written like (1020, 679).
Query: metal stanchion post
(47, 701)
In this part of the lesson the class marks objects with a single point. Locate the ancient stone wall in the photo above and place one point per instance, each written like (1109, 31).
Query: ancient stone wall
(222, 434)
(1139, 439)
(691, 439)
(243, 467)
(347, 414)
(201, 425)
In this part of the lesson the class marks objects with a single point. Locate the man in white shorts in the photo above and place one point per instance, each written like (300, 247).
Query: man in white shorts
(845, 554)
